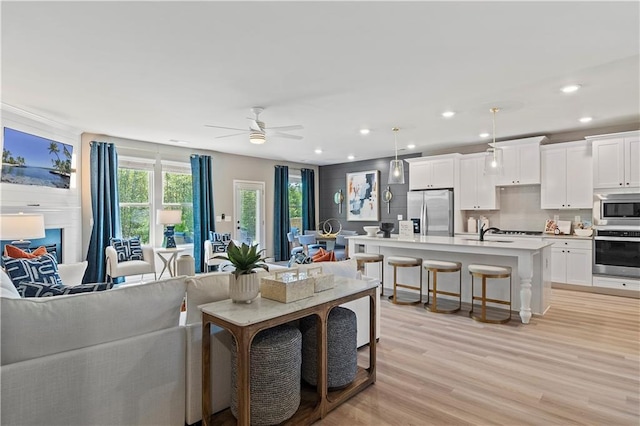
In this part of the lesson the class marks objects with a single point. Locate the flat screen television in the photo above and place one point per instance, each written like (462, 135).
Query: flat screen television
(33, 160)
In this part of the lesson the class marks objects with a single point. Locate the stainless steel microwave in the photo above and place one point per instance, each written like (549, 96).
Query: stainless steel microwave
(616, 209)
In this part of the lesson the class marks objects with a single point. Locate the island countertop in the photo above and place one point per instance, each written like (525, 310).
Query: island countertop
(529, 258)
(462, 241)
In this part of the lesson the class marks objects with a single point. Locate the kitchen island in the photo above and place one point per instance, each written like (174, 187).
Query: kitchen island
(530, 262)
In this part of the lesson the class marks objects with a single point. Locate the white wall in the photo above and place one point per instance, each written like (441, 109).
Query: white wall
(60, 207)
(226, 168)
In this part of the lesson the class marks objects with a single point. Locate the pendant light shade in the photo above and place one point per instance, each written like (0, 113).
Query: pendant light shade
(396, 167)
(493, 161)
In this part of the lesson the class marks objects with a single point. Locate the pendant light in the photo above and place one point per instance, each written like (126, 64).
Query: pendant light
(396, 167)
(493, 158)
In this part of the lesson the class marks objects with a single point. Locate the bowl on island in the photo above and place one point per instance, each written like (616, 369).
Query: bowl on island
(371, 230)
(583, 232)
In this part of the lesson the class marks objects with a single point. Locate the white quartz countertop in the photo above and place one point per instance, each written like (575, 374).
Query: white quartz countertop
(507, 236)
(459, 241)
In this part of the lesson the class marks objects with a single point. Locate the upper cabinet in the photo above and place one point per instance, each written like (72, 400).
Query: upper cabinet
(521, 161)
(477, 190)
(616, 159)
(433, 172)
(566, 181)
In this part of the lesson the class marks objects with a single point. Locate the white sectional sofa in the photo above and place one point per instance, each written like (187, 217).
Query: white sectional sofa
(125, 356)
(107, 358)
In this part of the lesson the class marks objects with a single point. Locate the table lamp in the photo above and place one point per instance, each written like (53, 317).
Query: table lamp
(20, 227)
(169, 218)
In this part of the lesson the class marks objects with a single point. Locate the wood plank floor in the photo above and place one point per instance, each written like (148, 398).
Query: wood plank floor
(579, 364)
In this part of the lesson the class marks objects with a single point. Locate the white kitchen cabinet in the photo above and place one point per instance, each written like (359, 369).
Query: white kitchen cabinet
(620, 283)
(521, 161)
(477, 190)
(566, 176)
(571, 261)
(616, 160)
(433, 172)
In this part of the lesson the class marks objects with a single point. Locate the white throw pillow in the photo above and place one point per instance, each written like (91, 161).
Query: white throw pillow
(71, 274)
(7, 289)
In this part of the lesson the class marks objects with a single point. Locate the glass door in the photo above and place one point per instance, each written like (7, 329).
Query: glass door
(249, 212)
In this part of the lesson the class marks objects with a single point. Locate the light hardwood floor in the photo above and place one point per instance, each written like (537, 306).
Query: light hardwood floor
(578, 364)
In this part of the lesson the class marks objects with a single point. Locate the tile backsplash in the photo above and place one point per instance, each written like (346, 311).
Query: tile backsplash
(520, 210)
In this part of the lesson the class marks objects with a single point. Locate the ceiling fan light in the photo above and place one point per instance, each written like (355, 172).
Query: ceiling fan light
(257, 138)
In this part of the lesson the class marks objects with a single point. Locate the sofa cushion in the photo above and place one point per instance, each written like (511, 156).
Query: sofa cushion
(40, 326)
(205, 288)
(26, 289)
(127, 249)
(43, 269)
(16, 253)
(7, 289)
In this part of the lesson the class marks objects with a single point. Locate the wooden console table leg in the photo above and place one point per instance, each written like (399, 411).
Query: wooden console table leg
(244, 336)
(206, 373)
(323, 364)
(373, 303)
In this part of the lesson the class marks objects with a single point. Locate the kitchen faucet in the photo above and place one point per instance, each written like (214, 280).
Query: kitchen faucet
(482, 231)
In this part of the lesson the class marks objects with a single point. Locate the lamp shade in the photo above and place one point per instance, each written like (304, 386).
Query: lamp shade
(21, 226)
(168, 217)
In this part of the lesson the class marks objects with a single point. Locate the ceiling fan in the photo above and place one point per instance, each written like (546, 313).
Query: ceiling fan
(258, 130)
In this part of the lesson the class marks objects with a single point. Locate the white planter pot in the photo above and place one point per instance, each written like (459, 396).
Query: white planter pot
(245, 288)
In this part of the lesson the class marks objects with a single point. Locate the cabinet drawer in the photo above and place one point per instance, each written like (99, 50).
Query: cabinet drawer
(571, 244)
(619, 283)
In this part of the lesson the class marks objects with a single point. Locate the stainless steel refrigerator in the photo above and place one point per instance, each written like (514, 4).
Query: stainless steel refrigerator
(431, 211)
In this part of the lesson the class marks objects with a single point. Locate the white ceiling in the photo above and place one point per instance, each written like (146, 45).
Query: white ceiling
(159, 71)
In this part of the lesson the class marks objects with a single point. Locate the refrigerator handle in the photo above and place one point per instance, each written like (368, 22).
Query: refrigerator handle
(424, 218)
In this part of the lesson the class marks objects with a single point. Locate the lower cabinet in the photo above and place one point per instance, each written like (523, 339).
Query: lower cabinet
(571, 261)
(617, 282)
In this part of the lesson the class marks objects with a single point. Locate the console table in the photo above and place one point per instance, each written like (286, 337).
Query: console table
(244, 321)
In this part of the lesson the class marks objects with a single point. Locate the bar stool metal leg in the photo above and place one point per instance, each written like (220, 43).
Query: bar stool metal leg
(484, 272)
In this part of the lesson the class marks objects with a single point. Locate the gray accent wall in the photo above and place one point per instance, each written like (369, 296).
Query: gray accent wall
(334, 177)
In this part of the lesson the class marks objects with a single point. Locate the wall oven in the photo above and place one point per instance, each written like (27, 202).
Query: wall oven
(616, 244)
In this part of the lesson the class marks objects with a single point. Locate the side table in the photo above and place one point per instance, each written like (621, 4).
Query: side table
(168, 257)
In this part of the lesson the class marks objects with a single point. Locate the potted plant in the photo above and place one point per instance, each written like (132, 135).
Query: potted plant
(244, 284)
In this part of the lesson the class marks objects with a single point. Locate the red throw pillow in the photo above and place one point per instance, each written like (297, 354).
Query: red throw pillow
(326, 258)
(16, 253)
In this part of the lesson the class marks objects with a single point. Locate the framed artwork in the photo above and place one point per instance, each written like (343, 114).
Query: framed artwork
(362, 196)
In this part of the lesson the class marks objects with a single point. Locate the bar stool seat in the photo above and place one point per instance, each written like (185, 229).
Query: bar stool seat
(433, 267)
(484, 272)
(404, 262)
(364, 258)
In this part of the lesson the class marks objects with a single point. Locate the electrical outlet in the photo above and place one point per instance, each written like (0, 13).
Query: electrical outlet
(399, 217)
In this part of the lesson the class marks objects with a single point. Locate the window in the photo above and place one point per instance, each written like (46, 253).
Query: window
(146, 185)
(135, 207)
(295, 202)
(177, 194)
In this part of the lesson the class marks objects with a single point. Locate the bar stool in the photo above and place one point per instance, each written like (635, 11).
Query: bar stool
(484, 272)
(364, 258)
(404, 262)
(435, 266)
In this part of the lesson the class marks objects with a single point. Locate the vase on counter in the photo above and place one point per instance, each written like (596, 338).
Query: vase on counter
(472, 225)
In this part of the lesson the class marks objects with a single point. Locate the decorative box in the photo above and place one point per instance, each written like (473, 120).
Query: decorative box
(287, 286)
(321, 281)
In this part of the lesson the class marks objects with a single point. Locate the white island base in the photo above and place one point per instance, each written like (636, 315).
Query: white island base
(530, 262)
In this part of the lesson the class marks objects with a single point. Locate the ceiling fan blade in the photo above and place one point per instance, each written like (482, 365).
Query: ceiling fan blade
(286, 136)
(221, 127)
(235, 134)
(253, 124)
(294, 127)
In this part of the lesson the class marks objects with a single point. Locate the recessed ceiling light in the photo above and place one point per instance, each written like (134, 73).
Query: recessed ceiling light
(178, 142)
(570, 88)
(351, 157)
(411, 146)
(318, 151)
(484, 135)
(586, 119)
(364, 131)
(448, 114)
